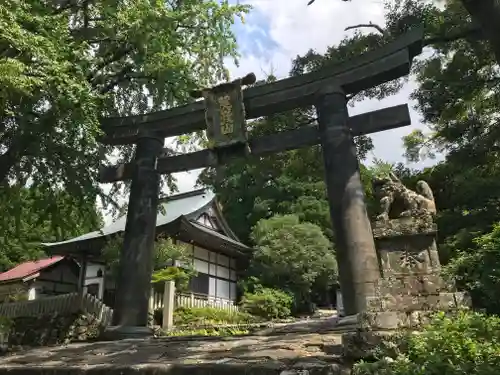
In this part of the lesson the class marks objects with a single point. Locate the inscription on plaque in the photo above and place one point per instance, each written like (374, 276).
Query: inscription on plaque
(225, 112)
(226, 115)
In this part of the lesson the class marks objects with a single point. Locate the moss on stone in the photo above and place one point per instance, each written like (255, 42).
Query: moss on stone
(417, 223)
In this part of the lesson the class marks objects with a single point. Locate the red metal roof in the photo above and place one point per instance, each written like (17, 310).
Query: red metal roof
(26, 269)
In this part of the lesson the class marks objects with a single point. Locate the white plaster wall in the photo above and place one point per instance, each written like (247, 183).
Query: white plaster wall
(32, 293)
(217, 266)
(92, 278)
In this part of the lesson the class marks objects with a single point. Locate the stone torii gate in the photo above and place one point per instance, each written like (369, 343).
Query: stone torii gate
(223, 114)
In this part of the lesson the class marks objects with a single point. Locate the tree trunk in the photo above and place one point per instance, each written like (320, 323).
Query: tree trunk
(9, 159)
(19, 145)
(486, 13)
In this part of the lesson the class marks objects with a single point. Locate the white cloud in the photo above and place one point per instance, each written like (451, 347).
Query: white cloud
(292, 28)
(296, 28)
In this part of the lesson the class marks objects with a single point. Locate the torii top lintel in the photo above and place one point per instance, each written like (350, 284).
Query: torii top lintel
(368, 70)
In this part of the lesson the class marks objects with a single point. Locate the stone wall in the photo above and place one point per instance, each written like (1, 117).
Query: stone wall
(53, 329)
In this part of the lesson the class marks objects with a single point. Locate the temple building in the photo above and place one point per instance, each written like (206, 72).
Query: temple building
(194, 218)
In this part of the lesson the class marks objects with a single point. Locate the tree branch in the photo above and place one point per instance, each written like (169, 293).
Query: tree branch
(17, 149)
(372, 25)
(312, 1)
(70, 4)
(473, 31)
(119, 54)
(123, 75)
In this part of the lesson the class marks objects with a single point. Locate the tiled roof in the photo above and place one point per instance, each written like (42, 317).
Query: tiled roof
(26, 269)
(173, 208)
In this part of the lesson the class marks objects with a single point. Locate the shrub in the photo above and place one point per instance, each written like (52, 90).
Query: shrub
(267, 303)
(478, 270)
(218, 331)
(196, 316)
(294, 256)
(465, 343)
(5, 324)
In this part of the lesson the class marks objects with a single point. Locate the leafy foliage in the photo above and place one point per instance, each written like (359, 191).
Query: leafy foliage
(467, 343)
(66, 64)
(458, 88)
(457, 95)
(478, 270)
(267, 303)
(35, 216)
(287, 182)
(200, 316)
(215, 331)
(172, 261)
(257, 188)
(291, 256)
(5, 324)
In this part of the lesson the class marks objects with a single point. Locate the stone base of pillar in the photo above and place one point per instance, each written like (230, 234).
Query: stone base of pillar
(370, 330)
(113, 333)
(410, 290)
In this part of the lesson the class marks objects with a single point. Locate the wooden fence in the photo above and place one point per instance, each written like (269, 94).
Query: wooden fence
(65, 303)
(192, 300)
(199, 300)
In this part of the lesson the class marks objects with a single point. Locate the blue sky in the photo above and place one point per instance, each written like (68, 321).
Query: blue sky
(276, 31)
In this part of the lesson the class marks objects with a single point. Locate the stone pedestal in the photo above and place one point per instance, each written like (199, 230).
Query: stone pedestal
(410, 287)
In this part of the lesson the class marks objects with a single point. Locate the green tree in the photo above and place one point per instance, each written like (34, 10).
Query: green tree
(485, 15)
(259, 187)
(291, 256)
(172, 261)
(478, 270)
(290, 182)
(457, 95)
(293, 182)
(37, 216)
(64, 64)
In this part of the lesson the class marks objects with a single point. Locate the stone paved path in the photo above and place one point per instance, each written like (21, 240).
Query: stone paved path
(276, 354)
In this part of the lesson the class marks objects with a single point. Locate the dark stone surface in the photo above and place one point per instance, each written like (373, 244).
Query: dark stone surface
(126, 332)
(136, 258)
(197, 369)
(373, 68)
(355, 250)
(410, 267)
(277, 355)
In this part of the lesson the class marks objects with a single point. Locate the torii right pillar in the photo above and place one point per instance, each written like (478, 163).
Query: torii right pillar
(356, 255)
(390, 278)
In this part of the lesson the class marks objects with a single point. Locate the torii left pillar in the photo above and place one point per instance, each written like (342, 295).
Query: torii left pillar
(130, 317)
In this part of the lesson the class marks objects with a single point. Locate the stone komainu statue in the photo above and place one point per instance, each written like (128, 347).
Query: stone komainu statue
(397, 201)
